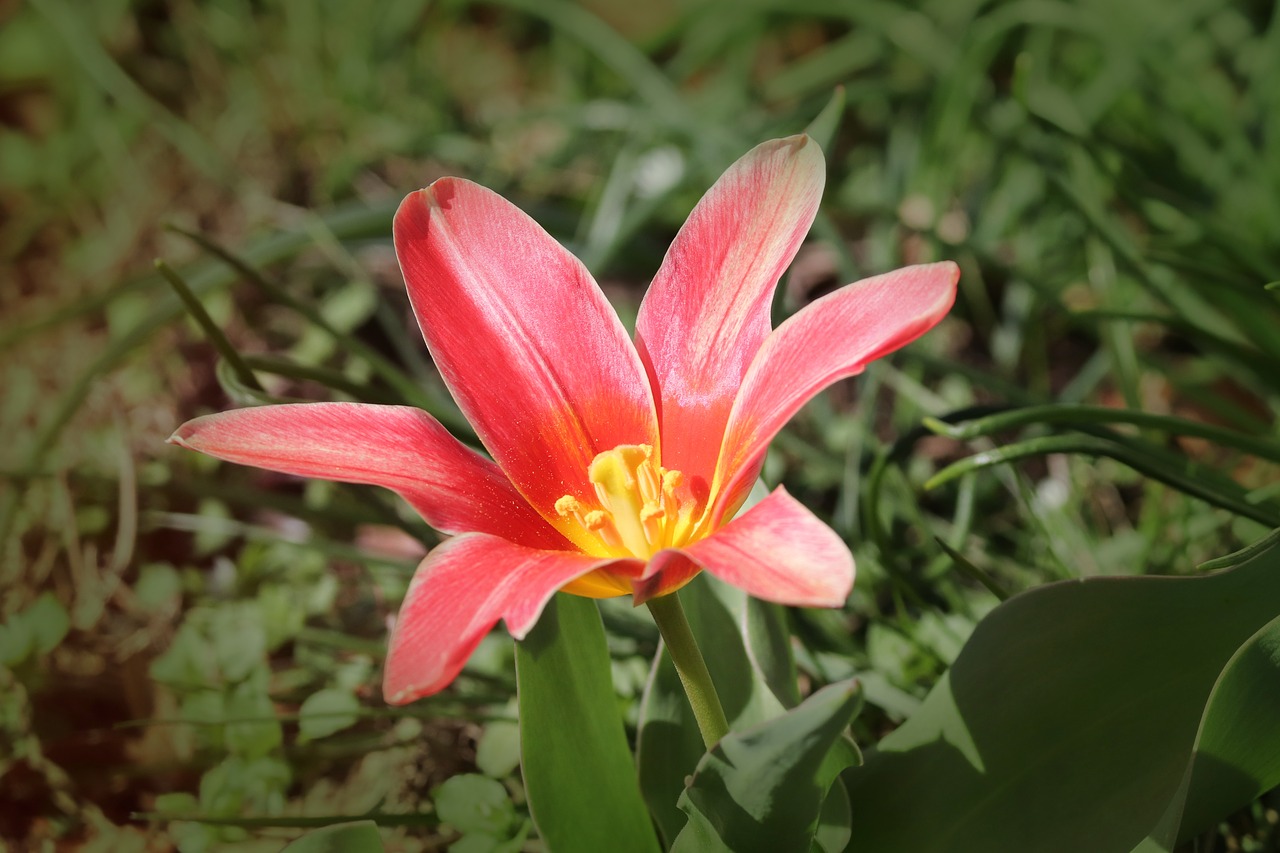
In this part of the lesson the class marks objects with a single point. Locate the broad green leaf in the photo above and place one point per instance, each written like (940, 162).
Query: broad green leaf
(835, 823)
(1237, 750)
(762, 788)
(1069, 719)
(325, 712)
(357, 837)
(578, 770)
(746, 645)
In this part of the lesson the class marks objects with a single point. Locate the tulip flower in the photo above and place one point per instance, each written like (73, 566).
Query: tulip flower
(614, 466)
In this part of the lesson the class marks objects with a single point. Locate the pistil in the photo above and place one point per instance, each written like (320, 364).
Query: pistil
(641, 507)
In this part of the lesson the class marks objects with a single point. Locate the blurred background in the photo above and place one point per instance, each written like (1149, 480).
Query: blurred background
(190, 652)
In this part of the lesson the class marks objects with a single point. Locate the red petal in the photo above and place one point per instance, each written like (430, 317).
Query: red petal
(665, 573)
(532, 351)
(835, 337)
(777, 550)
(707, 312)
(401, 448)
(458, 594)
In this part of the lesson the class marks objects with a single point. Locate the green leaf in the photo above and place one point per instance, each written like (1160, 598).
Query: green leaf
(472, 803)
(16, 640)
(835, 823)
(239, 638)
(252, 730)
(237, 785)
(578, 770)
(1070, 718)
(36, 630)
(158, 585)
(325, 712)
(762, 788)
(489, 844)
(189, 661)
(748, 652)
(498, 749)
(49, 622)
(1237, 749)
(357, 837)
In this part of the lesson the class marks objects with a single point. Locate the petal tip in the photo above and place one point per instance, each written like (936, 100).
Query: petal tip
(954, 269)
(182, 435)
(401, 694)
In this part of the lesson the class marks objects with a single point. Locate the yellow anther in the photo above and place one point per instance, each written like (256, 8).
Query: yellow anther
(642, 508)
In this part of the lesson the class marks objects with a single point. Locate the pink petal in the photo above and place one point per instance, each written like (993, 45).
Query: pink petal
(835, 337)
(531, 349)
(777, 550)
(458, 594)
(707, 311)
(665, 573)
(397, 447)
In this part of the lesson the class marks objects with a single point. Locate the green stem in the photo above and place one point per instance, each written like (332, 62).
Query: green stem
(683, 648)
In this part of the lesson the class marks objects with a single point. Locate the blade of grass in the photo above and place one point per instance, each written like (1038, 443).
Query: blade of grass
(1193, 481)
(1074, 415)
(210, 328)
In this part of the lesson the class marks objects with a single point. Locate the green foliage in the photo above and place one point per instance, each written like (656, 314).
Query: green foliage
(1236, 756)
(357, 837)
(325, 712)
(762, 788)
(578, 770)
(481, 810)
(1071, 716)
(755, 676)
(35, 630)
(498, 749)
(746, 646)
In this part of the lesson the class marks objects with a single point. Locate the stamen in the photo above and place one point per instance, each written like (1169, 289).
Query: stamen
(640, 509)
(567, 506)
(601, 524)
(671, 481)
(649, 480)
(651, 518)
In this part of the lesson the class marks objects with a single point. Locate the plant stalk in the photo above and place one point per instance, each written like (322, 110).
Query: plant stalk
(692, 669)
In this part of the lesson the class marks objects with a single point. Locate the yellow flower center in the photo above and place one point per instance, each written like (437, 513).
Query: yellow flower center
(641, 506)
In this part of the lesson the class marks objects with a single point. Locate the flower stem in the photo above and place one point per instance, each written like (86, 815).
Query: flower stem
(692, 669)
